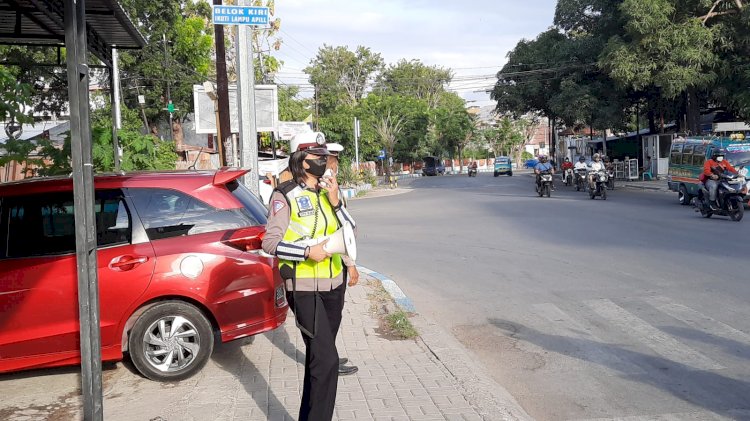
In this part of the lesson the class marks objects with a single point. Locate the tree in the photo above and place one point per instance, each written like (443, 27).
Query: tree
(15, 100)
(172, 67)
(48, 84)
(340, 76)
(664, 46)
(292, 108)
(415, 79)
(453, 126)
(390, 120)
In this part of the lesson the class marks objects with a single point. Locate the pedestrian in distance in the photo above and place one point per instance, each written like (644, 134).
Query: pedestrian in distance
(301, 212)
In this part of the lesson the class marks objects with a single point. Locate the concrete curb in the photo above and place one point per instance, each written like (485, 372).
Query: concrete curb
(488, 397)
(650, 188)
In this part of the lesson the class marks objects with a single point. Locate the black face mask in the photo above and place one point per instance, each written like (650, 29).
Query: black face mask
(317, 166)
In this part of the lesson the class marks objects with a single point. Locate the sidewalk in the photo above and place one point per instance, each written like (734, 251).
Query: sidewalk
(259, 378)
(655, 185)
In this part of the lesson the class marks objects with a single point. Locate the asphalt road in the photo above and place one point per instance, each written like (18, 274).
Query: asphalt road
(582, 309)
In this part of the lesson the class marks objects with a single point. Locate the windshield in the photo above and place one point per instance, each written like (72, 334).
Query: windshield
(738, 155)
(501, 160)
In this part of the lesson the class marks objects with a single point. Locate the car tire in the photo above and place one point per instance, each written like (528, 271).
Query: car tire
(510, 174)
(683, 196)
(170, 341)
(495, 174)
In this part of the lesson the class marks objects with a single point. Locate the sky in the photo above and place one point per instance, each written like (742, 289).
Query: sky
(472, 37)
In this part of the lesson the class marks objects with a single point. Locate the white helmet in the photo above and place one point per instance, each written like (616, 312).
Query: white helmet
(310, 142)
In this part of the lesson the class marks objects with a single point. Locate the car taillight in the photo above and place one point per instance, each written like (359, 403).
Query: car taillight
(246, 239)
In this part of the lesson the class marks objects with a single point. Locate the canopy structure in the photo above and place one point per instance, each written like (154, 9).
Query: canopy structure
(80, 26)
(42, 22)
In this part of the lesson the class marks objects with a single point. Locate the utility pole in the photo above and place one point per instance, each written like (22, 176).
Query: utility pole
(115, 84)
(222, 88)
(170, 106)
(246, 102)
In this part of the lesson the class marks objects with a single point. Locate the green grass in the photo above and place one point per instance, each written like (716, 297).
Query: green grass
(400, 325)
(361, 193)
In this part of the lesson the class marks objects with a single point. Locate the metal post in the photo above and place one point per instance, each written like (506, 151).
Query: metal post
(246, 102)
(117, 125)
(356, 142)
(83, 203)
(169, 88)
(222, 91)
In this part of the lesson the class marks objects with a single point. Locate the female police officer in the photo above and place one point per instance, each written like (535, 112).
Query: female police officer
(301, 210)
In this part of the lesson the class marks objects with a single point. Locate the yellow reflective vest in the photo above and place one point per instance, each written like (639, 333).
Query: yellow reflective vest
(311, 216)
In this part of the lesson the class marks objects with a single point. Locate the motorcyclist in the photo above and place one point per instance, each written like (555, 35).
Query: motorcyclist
(542, 166)
(596, 166)
(567, 165)
(712, 168)
(581, 165)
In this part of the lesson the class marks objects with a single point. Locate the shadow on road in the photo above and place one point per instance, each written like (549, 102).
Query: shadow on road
(706, 389)
(730, 347)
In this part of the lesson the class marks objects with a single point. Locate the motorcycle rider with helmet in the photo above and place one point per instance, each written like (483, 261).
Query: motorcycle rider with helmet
(567, 165)
(596, 166)
(542, 166)
(712, 168)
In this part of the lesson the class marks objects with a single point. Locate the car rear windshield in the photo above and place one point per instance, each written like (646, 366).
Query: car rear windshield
(167, 213)
(249, 201)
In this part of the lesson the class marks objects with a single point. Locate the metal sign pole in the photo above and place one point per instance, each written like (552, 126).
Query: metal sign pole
(115, 81)
(356, 142)
(246, 102)
(83, 203)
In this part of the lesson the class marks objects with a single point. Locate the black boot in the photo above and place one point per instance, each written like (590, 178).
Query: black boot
(346, 370)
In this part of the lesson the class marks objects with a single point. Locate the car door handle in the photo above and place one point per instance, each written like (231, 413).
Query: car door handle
(127, 261)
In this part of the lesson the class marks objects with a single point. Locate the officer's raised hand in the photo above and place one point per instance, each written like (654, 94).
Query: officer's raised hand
(332, 186)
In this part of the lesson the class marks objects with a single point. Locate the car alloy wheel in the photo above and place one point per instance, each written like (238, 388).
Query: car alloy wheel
(171, 341)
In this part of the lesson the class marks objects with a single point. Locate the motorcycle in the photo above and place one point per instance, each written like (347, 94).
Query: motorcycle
(729, 197)
(568, 177)
(600, 185)
(472, 172)
(580, 179)
(611, 179)
(544, 187)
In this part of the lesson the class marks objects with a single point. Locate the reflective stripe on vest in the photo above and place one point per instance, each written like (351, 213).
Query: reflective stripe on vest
(304, 205)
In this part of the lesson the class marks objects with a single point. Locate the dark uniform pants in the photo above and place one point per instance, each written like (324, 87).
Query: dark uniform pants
(321, 357)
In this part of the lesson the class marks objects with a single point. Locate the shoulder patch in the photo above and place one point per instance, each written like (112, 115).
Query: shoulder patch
(277, 206)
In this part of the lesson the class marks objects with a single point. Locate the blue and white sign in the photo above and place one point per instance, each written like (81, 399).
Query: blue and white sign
(241, 15)
(382, 154)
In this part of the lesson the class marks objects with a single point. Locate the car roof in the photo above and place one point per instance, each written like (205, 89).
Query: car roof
(186, 181)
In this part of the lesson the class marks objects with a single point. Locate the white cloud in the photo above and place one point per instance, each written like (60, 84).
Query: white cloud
(472, 37)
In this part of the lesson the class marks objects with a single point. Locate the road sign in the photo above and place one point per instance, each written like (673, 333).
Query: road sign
(240, 15)
(170, 107)
(382, 154)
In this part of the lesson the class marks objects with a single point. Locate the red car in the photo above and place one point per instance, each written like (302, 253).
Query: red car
(180, 260)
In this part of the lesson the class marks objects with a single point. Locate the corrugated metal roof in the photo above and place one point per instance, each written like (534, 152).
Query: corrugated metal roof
(41, 22)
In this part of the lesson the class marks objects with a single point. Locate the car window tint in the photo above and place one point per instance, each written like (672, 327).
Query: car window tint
(41, 225)
(169, 213)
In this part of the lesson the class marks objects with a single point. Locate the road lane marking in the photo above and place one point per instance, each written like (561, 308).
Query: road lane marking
(589, 346)
(658, 341)
(696, 319)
